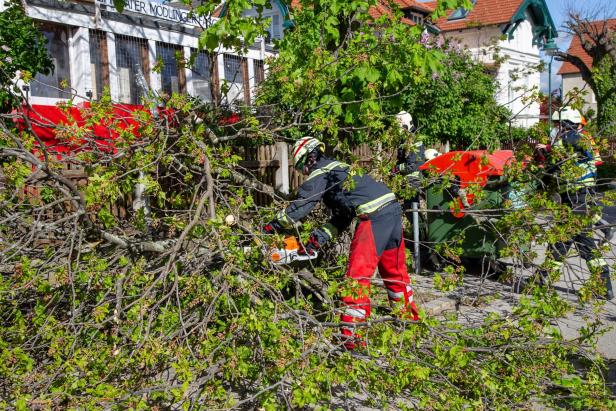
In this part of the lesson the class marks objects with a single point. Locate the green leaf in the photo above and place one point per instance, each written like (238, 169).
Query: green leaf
(119, 5)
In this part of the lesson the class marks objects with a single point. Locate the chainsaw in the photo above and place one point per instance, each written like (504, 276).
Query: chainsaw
(287, 254)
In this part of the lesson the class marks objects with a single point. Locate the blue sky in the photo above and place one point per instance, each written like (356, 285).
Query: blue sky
(597, 9)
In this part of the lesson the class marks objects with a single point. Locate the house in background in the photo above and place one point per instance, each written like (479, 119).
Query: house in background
(571, 75)
(518, 29)
(94, 47)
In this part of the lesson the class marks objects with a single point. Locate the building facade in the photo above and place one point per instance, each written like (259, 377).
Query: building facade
(506, 36)
(148, 46)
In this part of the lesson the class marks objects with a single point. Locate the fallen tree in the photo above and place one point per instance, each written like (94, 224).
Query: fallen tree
(178, 308)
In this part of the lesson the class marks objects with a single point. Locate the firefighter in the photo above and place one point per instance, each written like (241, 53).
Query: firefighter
(578, 195)
(377, 242)
(408, 163)
(604, 225)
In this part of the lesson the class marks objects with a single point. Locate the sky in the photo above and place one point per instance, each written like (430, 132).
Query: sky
(599, 9)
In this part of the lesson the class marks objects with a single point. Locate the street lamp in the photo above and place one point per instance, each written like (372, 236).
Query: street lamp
(550, 49)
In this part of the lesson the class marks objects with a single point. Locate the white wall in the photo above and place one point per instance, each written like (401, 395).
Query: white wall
(521, 56)
(571, 81)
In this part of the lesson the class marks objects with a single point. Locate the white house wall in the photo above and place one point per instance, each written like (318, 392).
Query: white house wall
(573, 81)
(81, 76)
(477, 41)
(522, 59)
(521, 56)
(270, 13)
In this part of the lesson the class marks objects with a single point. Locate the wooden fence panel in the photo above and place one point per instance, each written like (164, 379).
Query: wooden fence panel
(269, 166)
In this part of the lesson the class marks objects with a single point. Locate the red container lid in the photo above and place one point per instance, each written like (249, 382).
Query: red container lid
(470, 168)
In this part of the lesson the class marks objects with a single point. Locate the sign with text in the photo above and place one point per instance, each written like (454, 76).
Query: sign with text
(159, 11)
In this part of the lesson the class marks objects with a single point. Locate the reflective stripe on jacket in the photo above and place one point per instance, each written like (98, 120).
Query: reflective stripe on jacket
(585, 160)
(347, 199)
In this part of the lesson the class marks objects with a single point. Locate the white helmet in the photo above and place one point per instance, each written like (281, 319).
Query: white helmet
(431, 153)
(568, 114)
(405, 120)
(302, 148)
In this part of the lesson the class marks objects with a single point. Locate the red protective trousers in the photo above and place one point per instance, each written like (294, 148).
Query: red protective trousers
(363, 261)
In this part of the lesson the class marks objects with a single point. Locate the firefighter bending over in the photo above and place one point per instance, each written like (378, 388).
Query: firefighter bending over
(377, 241)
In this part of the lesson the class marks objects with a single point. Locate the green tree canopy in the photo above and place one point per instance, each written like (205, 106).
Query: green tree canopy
(344, 78)
(457, 103)
(22, 48)
(342, 74)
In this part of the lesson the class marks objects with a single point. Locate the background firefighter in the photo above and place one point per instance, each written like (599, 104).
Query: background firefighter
(605, 223)
(578, 195)
(409, 161)
(377, 242)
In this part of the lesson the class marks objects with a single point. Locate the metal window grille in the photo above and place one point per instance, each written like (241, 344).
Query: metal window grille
(52, 84)
(172, 75)
(233, 69)
(259, 70)
(202, 75)
(99, 63)
(133, 68)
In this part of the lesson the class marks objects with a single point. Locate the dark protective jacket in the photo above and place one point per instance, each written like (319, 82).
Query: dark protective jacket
(346, 199)
(408, 163)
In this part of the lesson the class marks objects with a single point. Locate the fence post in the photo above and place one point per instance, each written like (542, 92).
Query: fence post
(281, 181)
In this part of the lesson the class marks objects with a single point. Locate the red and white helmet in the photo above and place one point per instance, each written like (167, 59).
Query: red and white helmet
(302, 148)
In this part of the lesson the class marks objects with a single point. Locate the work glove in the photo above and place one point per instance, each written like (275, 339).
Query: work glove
(272, 227)
(310, 248)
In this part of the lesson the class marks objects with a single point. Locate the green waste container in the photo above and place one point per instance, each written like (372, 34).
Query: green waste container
(447, 218)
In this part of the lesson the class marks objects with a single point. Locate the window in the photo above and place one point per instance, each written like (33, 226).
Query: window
(236, 74)
(57, 83)
(416, 18)
(233, 69)
(461, 12)
(133, 68)
(274, 32)
(202, 75)
(99, 62)
(259, 70)
(172, 74)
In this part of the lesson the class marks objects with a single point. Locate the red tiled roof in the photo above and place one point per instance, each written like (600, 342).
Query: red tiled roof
(406, 4)
(576, 49)
(381, 9)
(485, 13)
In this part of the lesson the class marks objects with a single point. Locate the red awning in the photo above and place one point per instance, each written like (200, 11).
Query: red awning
(65, 129)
